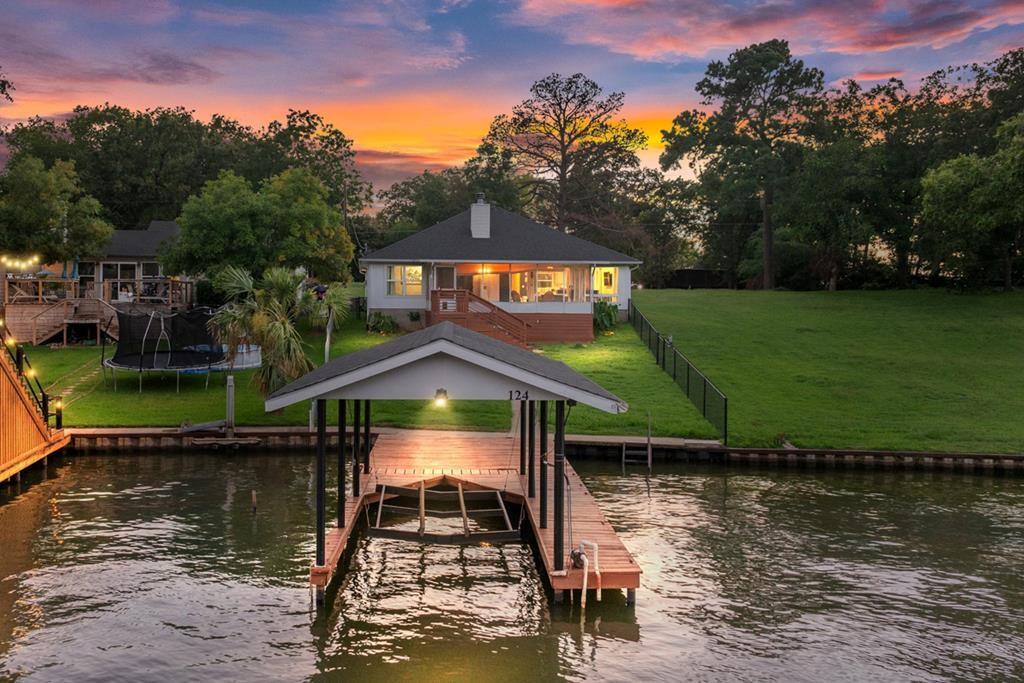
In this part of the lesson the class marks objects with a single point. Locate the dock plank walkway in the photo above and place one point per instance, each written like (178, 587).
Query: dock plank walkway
(487, 460)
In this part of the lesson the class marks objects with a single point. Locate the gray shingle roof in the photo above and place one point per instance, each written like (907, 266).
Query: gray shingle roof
(468, 339)
(513, 238)
(140, 243)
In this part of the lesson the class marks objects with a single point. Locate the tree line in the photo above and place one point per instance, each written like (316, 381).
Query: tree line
(774, 180)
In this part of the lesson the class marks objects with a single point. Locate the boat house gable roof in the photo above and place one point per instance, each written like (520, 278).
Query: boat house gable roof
(467, 364)
(512, 238)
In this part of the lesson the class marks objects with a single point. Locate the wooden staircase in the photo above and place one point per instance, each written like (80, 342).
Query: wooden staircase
(25, 411)
(40, 323)
(475, 313)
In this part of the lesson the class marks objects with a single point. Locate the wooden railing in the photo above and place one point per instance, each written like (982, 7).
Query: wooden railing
(162, 290)
(147, 291)
(25, 411)
(38, 291)
(461, 307)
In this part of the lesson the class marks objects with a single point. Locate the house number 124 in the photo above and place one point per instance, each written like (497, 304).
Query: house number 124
(516, 395)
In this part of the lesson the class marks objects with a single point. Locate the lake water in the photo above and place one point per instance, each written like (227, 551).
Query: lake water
(156, 568)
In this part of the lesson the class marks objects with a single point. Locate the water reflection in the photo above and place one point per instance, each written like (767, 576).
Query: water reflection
(158, 568)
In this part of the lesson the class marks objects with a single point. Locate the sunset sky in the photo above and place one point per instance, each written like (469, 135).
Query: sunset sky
(415, 83)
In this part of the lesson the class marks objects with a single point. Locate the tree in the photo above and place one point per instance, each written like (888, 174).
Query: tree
(265, 312)
(827, 201)
(224, 225)
(6, 87)
(45, 211)
(306, 140)
(306, 231)
(144, 165)
(764, 98)
(423, 200)
(567, 125)
(972, 226)
(288, 223)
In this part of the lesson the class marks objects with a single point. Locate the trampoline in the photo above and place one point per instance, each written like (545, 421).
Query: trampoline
(155, 341)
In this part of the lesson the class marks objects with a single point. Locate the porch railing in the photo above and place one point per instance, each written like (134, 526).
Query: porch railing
(459, 305)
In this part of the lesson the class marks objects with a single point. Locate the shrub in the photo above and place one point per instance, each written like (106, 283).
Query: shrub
(606, 316)
(381, 323)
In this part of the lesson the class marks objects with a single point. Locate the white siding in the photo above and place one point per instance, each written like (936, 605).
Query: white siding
(377, 291)
(625, 284)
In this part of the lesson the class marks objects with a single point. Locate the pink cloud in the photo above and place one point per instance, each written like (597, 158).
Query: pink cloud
(674, 30)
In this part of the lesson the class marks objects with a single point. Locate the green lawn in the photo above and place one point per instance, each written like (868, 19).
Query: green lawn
(619, 362)
(918, 370)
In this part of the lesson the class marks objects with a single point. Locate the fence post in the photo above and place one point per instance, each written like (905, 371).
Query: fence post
(675, 358)
(704, 399)
(725, 420)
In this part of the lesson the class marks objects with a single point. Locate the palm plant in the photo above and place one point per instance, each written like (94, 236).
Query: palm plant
(267, 312)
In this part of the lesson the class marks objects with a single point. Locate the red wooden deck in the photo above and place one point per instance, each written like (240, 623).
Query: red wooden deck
(490, 461)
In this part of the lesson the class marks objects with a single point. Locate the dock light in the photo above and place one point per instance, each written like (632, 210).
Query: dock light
(30, 373)
(11, 341)
(58, 404)
(440, 398)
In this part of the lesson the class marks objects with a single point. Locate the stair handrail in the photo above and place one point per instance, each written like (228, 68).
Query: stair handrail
(498, 316)
(509, 322)
(26, 373)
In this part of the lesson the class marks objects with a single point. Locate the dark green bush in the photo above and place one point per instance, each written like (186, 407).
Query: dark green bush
(606, 316)
(381, 323)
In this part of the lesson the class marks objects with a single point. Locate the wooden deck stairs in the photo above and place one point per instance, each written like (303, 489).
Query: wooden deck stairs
(41, 323)
(478, 314)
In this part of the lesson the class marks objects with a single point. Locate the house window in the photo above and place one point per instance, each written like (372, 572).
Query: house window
(150, 269)
(405, 280)
(551, 285)
(606, 284)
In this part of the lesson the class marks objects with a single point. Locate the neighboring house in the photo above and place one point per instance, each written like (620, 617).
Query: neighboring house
(500, 273)
(40, 306)
(128, 269)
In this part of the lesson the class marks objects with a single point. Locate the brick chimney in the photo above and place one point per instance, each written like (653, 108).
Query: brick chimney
(480, 218)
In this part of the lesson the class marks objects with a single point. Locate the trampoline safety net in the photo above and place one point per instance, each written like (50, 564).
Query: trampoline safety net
(155, 341)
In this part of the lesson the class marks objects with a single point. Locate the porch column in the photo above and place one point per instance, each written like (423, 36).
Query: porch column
(559, 485)
(366, 438)
(321, 476)
(543, 464)
(357, 412)
(531, 479)
(342, 418)
(522, 437)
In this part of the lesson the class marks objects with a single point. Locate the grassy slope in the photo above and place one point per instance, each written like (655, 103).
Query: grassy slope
(618, 362)
(903, 370)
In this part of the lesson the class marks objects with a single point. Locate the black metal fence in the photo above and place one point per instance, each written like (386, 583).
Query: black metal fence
(702, 392)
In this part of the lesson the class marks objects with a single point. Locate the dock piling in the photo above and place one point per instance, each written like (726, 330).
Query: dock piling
(543, 464)
(559, 535)
(321, 477)
(531, 479)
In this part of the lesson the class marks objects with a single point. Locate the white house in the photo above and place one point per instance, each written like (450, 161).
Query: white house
(500, 273)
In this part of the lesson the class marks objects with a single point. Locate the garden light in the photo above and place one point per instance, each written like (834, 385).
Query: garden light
(440, 398)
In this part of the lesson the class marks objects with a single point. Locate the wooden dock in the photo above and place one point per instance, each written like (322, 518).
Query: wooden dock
(485, 460)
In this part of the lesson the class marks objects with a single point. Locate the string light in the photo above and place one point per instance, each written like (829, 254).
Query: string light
(14, 263)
